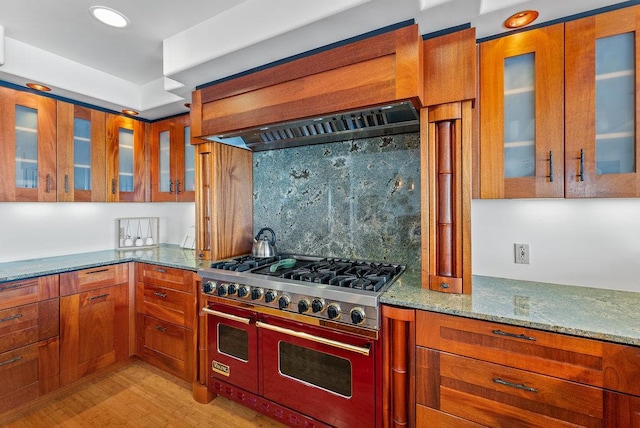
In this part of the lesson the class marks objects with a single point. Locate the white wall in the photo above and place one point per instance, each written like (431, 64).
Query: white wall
(32, 230)
(591, 242)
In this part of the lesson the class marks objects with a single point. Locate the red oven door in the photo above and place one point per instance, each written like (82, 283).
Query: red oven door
(324, 374)
(232, 346)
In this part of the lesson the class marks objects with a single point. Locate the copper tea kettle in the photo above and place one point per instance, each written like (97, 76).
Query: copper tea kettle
(263, 247)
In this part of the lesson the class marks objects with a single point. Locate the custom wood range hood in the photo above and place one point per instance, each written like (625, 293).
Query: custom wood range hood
(365, 88)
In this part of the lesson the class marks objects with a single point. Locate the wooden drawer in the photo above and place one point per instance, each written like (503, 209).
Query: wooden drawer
(23, 325)
(90, 279)
(553, 354)
(168, 346)
(622, 368)
(495, 395)
(166, 304)
(25, 291)
(28, 372)
(428, 417)
(621, 410)
(161, 276)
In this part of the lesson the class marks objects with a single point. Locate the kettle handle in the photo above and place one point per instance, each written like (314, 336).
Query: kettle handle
(273, 235)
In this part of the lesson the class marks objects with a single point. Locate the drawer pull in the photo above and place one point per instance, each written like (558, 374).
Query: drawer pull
(517, 336)
(159, 294)
(99, 297)
(13, 317)
(11, 360)
(97, 271)
(160, 270)
(521, 386)
(9, 287)
(160, 328)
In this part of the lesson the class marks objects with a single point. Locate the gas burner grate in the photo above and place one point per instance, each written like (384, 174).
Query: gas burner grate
(244, 263)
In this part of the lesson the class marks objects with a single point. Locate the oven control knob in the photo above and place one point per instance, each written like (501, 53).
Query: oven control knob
(243, 291)
(221, 289)
(232, 288)
(257, 293)
(270, 296)
(317, 305)
(357, 315)
(208, 287)
(303, 306)
(284, 301)
(333, 311)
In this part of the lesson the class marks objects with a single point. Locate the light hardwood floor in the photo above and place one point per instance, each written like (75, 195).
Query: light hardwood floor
(133, 395)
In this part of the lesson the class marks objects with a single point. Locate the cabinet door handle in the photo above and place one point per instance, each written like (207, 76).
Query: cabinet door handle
(66, 183)
(170, 187)
(9, 287)
(159, 294)
(101, 296)
(178, 187)
(113, 186)
(160, 328)
(48, 187)
(516, 336)
(12, 317)
(160, 270)
(11, 360)
(581, 164)
(96, 271)
(514, 385)
(550, 166)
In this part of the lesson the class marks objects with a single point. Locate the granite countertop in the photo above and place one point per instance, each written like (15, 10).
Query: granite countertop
(580, 311)
(165, 255)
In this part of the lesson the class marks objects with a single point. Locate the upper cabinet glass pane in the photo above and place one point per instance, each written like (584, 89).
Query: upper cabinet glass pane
(125, 158)
(519, 116)
(26, 147)
(164, 172)
(189, 161)
(615, 104)
(81, 154)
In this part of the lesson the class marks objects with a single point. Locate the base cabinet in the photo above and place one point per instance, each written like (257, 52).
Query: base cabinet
(94, 320)
(166, 319)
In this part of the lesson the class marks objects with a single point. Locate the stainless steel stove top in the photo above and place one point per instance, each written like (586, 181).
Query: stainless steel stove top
(340, 290)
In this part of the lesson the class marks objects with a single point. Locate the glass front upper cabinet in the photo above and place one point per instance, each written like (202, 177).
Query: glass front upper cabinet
(522, 114)
(126, 167)
(81, 154)
(26, 144)
(602, 105)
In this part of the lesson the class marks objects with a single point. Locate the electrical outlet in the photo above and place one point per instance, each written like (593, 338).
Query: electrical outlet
(521, 253)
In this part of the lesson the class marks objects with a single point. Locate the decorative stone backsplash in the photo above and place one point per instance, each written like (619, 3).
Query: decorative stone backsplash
(353, 199)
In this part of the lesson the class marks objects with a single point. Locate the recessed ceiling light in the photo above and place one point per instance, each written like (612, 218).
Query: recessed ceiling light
(520, 19)
(38, 87)
(130, 112)
(109, 16)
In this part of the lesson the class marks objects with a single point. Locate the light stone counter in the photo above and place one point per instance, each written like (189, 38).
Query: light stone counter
(581, 311)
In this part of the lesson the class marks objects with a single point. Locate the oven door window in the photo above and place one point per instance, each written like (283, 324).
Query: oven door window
(316, 368)
(233, 342)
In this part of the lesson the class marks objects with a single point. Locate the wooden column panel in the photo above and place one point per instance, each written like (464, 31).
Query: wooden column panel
(398, 380)
(446, 178)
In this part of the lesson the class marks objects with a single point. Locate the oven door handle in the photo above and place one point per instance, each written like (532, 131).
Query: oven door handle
(227, 316)
(318, 339)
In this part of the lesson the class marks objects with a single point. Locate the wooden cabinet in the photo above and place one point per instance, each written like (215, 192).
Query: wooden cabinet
(29, 352)
(81, 162)
(28, 155)
(94, 320)
(224, 202)
(522, 115)
(494, 374)
(166, 319)
(603, 105)
(172, 161)
(559, 110)
(126, 168)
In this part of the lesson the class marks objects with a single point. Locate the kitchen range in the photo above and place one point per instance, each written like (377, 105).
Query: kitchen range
(298, 337)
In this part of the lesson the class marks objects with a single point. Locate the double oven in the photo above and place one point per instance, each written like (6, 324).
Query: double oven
(300, 343)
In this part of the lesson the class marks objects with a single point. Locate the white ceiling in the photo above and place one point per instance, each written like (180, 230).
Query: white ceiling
(172, 46)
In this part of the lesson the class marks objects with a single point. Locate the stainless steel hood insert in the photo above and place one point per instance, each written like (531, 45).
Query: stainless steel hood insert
(388, 119)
